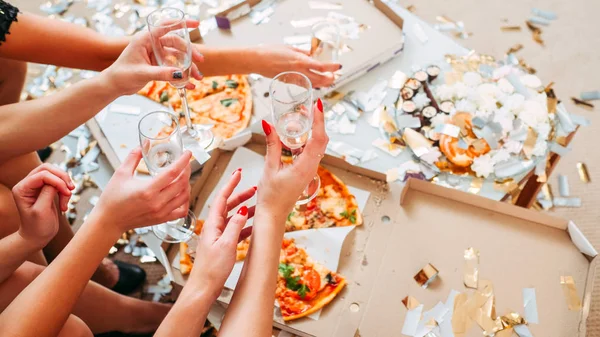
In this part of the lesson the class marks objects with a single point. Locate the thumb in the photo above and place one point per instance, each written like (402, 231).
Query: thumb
(166, 74)
(45, 200)
(131, 162)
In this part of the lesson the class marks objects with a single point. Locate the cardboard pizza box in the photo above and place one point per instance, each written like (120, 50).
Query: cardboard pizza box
(407, 227)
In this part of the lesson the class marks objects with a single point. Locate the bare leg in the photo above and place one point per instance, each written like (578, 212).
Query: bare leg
(12, 79)
(101, 309)
(75, 327)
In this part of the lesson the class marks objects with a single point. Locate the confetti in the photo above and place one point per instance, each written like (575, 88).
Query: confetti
(570, 291)
(584, 176)
(471, 273)
(582, 102)
(536, 32)
(510, 28)
(426, 275)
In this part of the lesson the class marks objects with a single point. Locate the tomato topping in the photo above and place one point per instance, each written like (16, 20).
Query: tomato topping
(312, 282)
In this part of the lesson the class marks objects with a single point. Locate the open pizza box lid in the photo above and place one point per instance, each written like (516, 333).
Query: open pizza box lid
(406, 227)
(367, 52)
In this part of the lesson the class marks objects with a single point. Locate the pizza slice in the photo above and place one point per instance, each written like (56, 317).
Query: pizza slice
(186, 261)
(303, 286)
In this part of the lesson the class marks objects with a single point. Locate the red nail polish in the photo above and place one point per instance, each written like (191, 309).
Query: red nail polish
(255, 188)
(266, 127)
(320, 105)
(243, 211)
(238, 170)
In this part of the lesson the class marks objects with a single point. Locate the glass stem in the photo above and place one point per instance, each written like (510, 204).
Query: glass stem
(186, 110)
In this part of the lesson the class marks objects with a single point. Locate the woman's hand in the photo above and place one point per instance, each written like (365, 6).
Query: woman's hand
(273, 60)
(129, 202)
(137, 65)
(281, 185)
(35, 196)
(216, 250)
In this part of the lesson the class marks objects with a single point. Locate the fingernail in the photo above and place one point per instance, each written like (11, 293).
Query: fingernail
(243, 211)
(266, 127)
(340, 67)
(238, 170)
(255, 188)
(320, 104)
(177, 75)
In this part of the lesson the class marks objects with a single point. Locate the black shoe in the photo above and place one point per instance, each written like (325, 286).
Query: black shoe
(44, 153)
(130, 277)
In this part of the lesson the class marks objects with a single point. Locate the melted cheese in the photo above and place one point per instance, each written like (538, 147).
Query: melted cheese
(333, 207)
(297, 221)
(323, 273)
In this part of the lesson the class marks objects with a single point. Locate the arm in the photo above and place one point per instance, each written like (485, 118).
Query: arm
(69, 108)
(43, 40)
(34, 196)
(126, 203)
(256, 286)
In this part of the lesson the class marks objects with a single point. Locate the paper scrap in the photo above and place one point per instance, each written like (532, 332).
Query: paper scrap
(559, 149)
(584, 175)
(563, 185)
(446, 323)
(567, 202)
(548, 15)
(420, 33)
(448, 130)
(590, 95)
(530, 305)
(471, 273)
(392, 149)
(460, 318)
(411, 321)
(539, 21)
(580, 241)
(522, 330)
(570, 292)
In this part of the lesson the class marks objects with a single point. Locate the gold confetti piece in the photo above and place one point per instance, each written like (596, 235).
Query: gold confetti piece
(471, 276)
(315, 44)
(580, 102)
(444, 19)
(426, 275)
(526, 66)
(536, 32)
(547, 190)
(508, 332)
(511, 319)
(551, 98)
(529, 143)
(460, 318)
(510, 28)
(334, 95)
(411, 8)
(410, 302)
(476, 185)
(568, 286)
(584, 176)
(514, 48)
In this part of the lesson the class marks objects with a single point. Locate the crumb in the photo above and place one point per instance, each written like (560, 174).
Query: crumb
(123, 146)
(364, 261)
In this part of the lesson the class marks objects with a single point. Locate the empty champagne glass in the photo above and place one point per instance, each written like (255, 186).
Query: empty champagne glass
(292, 108)
(161, 141)
(172, 48)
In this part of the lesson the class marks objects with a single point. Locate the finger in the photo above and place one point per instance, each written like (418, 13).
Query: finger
(164, 178)
(190, 86)
(196, 54)
(251, 212)
(235, 200)
(302, 51)
(234, 227)
(320, 80)
(196, 73)
(174, 43)
(56, 171)
(190, 23)
(160, 73)
(322, 67)
(177, 186)
(219, 205)
(131, 162)
(245, 233)
(273, 156)
(45, 200)
(38, 180)
(180, 201)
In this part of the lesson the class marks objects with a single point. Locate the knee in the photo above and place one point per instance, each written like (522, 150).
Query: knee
(8, 212)
(75, 327)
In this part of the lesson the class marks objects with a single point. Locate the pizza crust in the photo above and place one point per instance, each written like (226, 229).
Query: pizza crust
(322, 302)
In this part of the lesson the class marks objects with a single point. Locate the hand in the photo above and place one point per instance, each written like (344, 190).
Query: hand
(35, 196)
(290, 178)
(129, 202)
(216, 250)
(277, 59)
(137, 64)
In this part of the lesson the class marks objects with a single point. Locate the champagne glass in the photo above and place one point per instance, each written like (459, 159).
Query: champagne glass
(325, 42)
(292, 108)
(162, 145)
(172, 48)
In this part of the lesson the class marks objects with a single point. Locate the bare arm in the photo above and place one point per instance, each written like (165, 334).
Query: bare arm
(14, 250)
(43, 40)
(126, 203)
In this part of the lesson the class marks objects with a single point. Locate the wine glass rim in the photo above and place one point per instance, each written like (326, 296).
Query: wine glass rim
(178, 21)
(326, 23)
(173, 118)
(308, 93)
